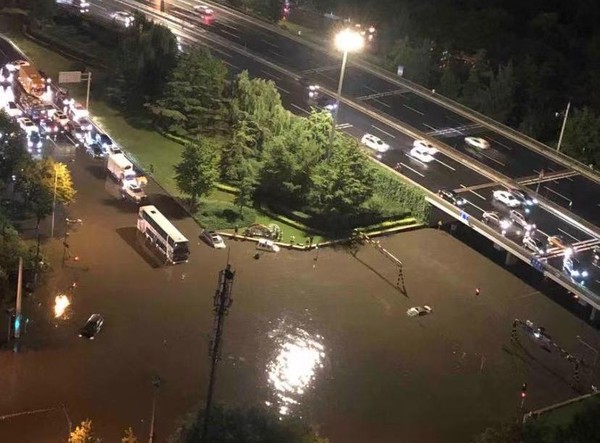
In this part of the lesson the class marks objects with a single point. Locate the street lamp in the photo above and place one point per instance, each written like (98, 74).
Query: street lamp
(564, 124)
(347, 40)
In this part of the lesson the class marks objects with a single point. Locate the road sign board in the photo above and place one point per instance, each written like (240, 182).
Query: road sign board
(464, 217)
(69, 77)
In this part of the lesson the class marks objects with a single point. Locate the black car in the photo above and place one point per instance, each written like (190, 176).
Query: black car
(92, 326)
(96, 151)
(452, 197)
(525, 198)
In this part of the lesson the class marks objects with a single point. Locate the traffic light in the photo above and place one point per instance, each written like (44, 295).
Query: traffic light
(524, 390)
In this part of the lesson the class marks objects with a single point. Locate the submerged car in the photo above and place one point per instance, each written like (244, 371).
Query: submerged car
(213, 239)
(419, 311)
(267, 245)
(92, 327)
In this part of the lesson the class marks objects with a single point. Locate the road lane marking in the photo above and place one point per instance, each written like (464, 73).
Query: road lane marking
(415, 160)
(539, 230)
(271, 75)
(229, 26)
(566, 233)
(371, 89)
(414, 110)
(282, 90)
(557, 193)
(230, 33)
(276, 54)
(100, 7)
(445, 164)
(493, 159)
(381, 130)
(408, 167)
(231, 64)
(343, 126)
(270, 43)
(473, 192)
(430, 127)
(300, 108)
(379, 101)
(500, 143)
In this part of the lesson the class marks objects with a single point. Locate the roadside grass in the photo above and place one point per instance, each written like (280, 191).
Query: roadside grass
(154, 153)
(564, 415)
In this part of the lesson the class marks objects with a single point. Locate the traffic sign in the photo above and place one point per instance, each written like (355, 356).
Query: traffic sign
(464, 217)
(537, 264)
(69, 77)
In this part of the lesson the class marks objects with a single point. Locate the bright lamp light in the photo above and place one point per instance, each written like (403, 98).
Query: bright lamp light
(349, 40)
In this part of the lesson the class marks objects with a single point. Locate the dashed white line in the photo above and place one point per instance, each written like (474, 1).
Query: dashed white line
(276, 53)
(430, 127)
(100, 7)
(343, 126)
(557, 193)
(228, 26)
(282, 90)
(493, 159)
(539, 230)
(270, 43)
(414, 110)
(371, 89)
(231, 64)
(473, 192)
(445, 164)
(381, 130)
(380, 102)
(408, 167)
(566, 233)
(500, 143)
(271, 75)
(300, 108)
(416, 160)
(230, 33)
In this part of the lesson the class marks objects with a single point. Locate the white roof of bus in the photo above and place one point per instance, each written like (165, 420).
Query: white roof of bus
(164, 223)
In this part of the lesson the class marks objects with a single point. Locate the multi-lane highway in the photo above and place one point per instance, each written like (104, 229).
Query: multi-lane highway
(397, 113)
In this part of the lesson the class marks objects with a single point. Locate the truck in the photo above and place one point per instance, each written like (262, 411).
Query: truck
(121, 168)
(32, 81)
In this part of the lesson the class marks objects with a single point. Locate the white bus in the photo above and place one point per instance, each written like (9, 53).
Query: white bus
(162, 234)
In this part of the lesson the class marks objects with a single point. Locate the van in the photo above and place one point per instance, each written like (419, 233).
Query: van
(267, 245)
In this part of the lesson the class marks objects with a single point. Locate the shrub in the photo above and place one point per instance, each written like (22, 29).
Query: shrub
(223, 215)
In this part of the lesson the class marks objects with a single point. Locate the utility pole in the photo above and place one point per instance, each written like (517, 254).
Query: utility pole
(222, 303)
(19, 299)
(156, 383)
(562, 129)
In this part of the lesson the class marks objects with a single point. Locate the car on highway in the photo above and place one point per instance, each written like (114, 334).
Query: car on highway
(326, 103)
(211, 238)
(573, 267)
(96, 151)
(60, 118)
(422, 153)
(74, 130)
(493, 218)
(92, 327)
(596, 255)
(34, 142)
(535, 245)
(506, 197)
(267, 245)
(375, 143)
(12, 109)
(419, 311)
(85, 124)
(6, 76)
(206, 13)
(313, 91)
(77, 110)
(452, 197)
(49, 127)
(521, 219)
(525, 198)
(477, 142)
(123, 18)
(559, 241)
(27, 125)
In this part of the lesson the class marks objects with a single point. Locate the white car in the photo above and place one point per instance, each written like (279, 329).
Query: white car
(27, 125)
(477, 142)
(267, 245)
(13, 110)
(213, 239)
(374, 143)
(78, 111)
(423, 154)
(424, 144)
(204, 11)
(507, 198)
(418, 311)
(123, 18)
(521, 219)
(61, 118)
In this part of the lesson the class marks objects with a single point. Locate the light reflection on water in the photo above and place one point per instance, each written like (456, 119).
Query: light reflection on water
(294, 364)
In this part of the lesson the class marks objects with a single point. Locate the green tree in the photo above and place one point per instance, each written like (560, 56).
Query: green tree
(582, 137)
(344, 183)
(242, 147)
(499, 97)
(12, 153)
(511, 433)
(247, 425)
(197, 171)
(143, 62)
(245, 180)
(11, 248)
(415, 57)
(129, 436)
(42, 9)
(450, 84)
(83, 433)
(193, 101)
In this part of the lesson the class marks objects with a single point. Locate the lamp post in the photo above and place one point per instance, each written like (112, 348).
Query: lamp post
(562, 129)
(346, 41)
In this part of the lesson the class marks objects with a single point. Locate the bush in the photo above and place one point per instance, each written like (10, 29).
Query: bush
(392, 189)
(223, 215)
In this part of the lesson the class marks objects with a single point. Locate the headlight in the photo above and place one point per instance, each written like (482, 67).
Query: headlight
(584, 274)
